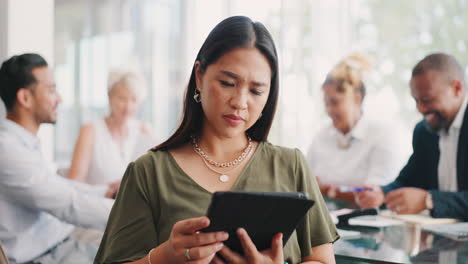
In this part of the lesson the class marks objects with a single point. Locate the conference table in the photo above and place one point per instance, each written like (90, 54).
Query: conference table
(400, 244)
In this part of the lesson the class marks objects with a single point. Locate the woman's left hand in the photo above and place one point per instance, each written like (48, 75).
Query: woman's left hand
(274, 255)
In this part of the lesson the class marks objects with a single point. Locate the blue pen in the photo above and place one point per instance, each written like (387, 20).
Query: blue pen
(354, 189)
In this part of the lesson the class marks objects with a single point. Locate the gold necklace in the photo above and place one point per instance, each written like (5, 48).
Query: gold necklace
(223, 177)
(228, 164)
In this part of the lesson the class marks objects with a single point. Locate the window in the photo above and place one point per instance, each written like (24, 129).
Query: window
(163, 37)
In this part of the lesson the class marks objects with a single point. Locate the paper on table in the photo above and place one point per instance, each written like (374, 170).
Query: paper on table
(335, 213)
(421, 219)
(348, 233)
(367, 220)
(374, 221)
(456, 231)
(388, 218)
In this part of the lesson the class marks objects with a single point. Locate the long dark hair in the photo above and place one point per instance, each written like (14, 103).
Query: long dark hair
(233, 32)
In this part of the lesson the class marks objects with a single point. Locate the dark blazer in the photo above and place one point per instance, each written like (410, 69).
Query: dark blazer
(421, 171)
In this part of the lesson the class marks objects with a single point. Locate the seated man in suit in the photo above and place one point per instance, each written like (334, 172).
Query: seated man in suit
(38, 208)
(436, 175)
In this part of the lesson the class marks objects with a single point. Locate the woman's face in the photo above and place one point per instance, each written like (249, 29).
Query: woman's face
(123, 102)
(234, 91)
(343, 108)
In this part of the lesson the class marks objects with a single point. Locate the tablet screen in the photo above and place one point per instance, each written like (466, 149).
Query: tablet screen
(262, 214)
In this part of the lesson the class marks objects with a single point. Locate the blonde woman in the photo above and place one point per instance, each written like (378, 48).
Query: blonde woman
(106, 146)
(353, 149)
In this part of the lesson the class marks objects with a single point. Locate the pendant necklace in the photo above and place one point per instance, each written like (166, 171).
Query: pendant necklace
(223, 177)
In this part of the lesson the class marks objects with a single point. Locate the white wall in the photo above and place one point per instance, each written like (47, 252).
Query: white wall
(3, 43)
(31, 27)
(28, 26)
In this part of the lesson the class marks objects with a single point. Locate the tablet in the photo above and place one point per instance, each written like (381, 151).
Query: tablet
(262, 214)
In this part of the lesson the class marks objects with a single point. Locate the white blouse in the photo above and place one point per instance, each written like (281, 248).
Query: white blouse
(368, 154)
(109, 160)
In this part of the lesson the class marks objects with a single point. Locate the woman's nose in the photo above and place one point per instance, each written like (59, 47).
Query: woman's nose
(239, 99)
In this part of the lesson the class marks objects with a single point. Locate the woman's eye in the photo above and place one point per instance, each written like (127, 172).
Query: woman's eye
(225, 83)
(256, 92)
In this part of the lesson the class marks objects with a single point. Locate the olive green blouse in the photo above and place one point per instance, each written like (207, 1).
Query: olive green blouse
(156, 193)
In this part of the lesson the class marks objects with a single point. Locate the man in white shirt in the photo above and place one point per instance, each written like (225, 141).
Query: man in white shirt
(39, 209)
(436, 175)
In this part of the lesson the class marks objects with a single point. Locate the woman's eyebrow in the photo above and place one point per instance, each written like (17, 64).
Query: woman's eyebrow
(230, 74)
(235, 76)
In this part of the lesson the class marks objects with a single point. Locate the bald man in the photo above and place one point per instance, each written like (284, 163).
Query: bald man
(436, 175)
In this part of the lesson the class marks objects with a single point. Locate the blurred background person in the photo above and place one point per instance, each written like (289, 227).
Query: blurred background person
(353, 149)
(42, 215)
(106, 146)
(435, 178)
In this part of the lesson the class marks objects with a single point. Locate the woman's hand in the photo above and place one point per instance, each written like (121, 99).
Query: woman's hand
(369, 199)
(113, 189)
(328, 190)
(187, 245)
(274, 255)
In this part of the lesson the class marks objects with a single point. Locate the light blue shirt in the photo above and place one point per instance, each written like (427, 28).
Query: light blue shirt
(38, 208)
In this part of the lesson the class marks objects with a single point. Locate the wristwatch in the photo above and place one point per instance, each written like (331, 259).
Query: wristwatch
(429, 202)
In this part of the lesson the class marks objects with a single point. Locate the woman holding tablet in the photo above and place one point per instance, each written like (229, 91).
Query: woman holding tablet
(220, 145)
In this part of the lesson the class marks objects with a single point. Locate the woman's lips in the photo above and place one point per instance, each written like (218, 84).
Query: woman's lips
(233, 120)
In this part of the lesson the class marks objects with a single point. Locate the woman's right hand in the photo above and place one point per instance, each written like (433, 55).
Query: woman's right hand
(187, 244)
(274, 255)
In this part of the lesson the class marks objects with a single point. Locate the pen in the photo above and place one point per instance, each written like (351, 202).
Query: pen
(354, 189)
